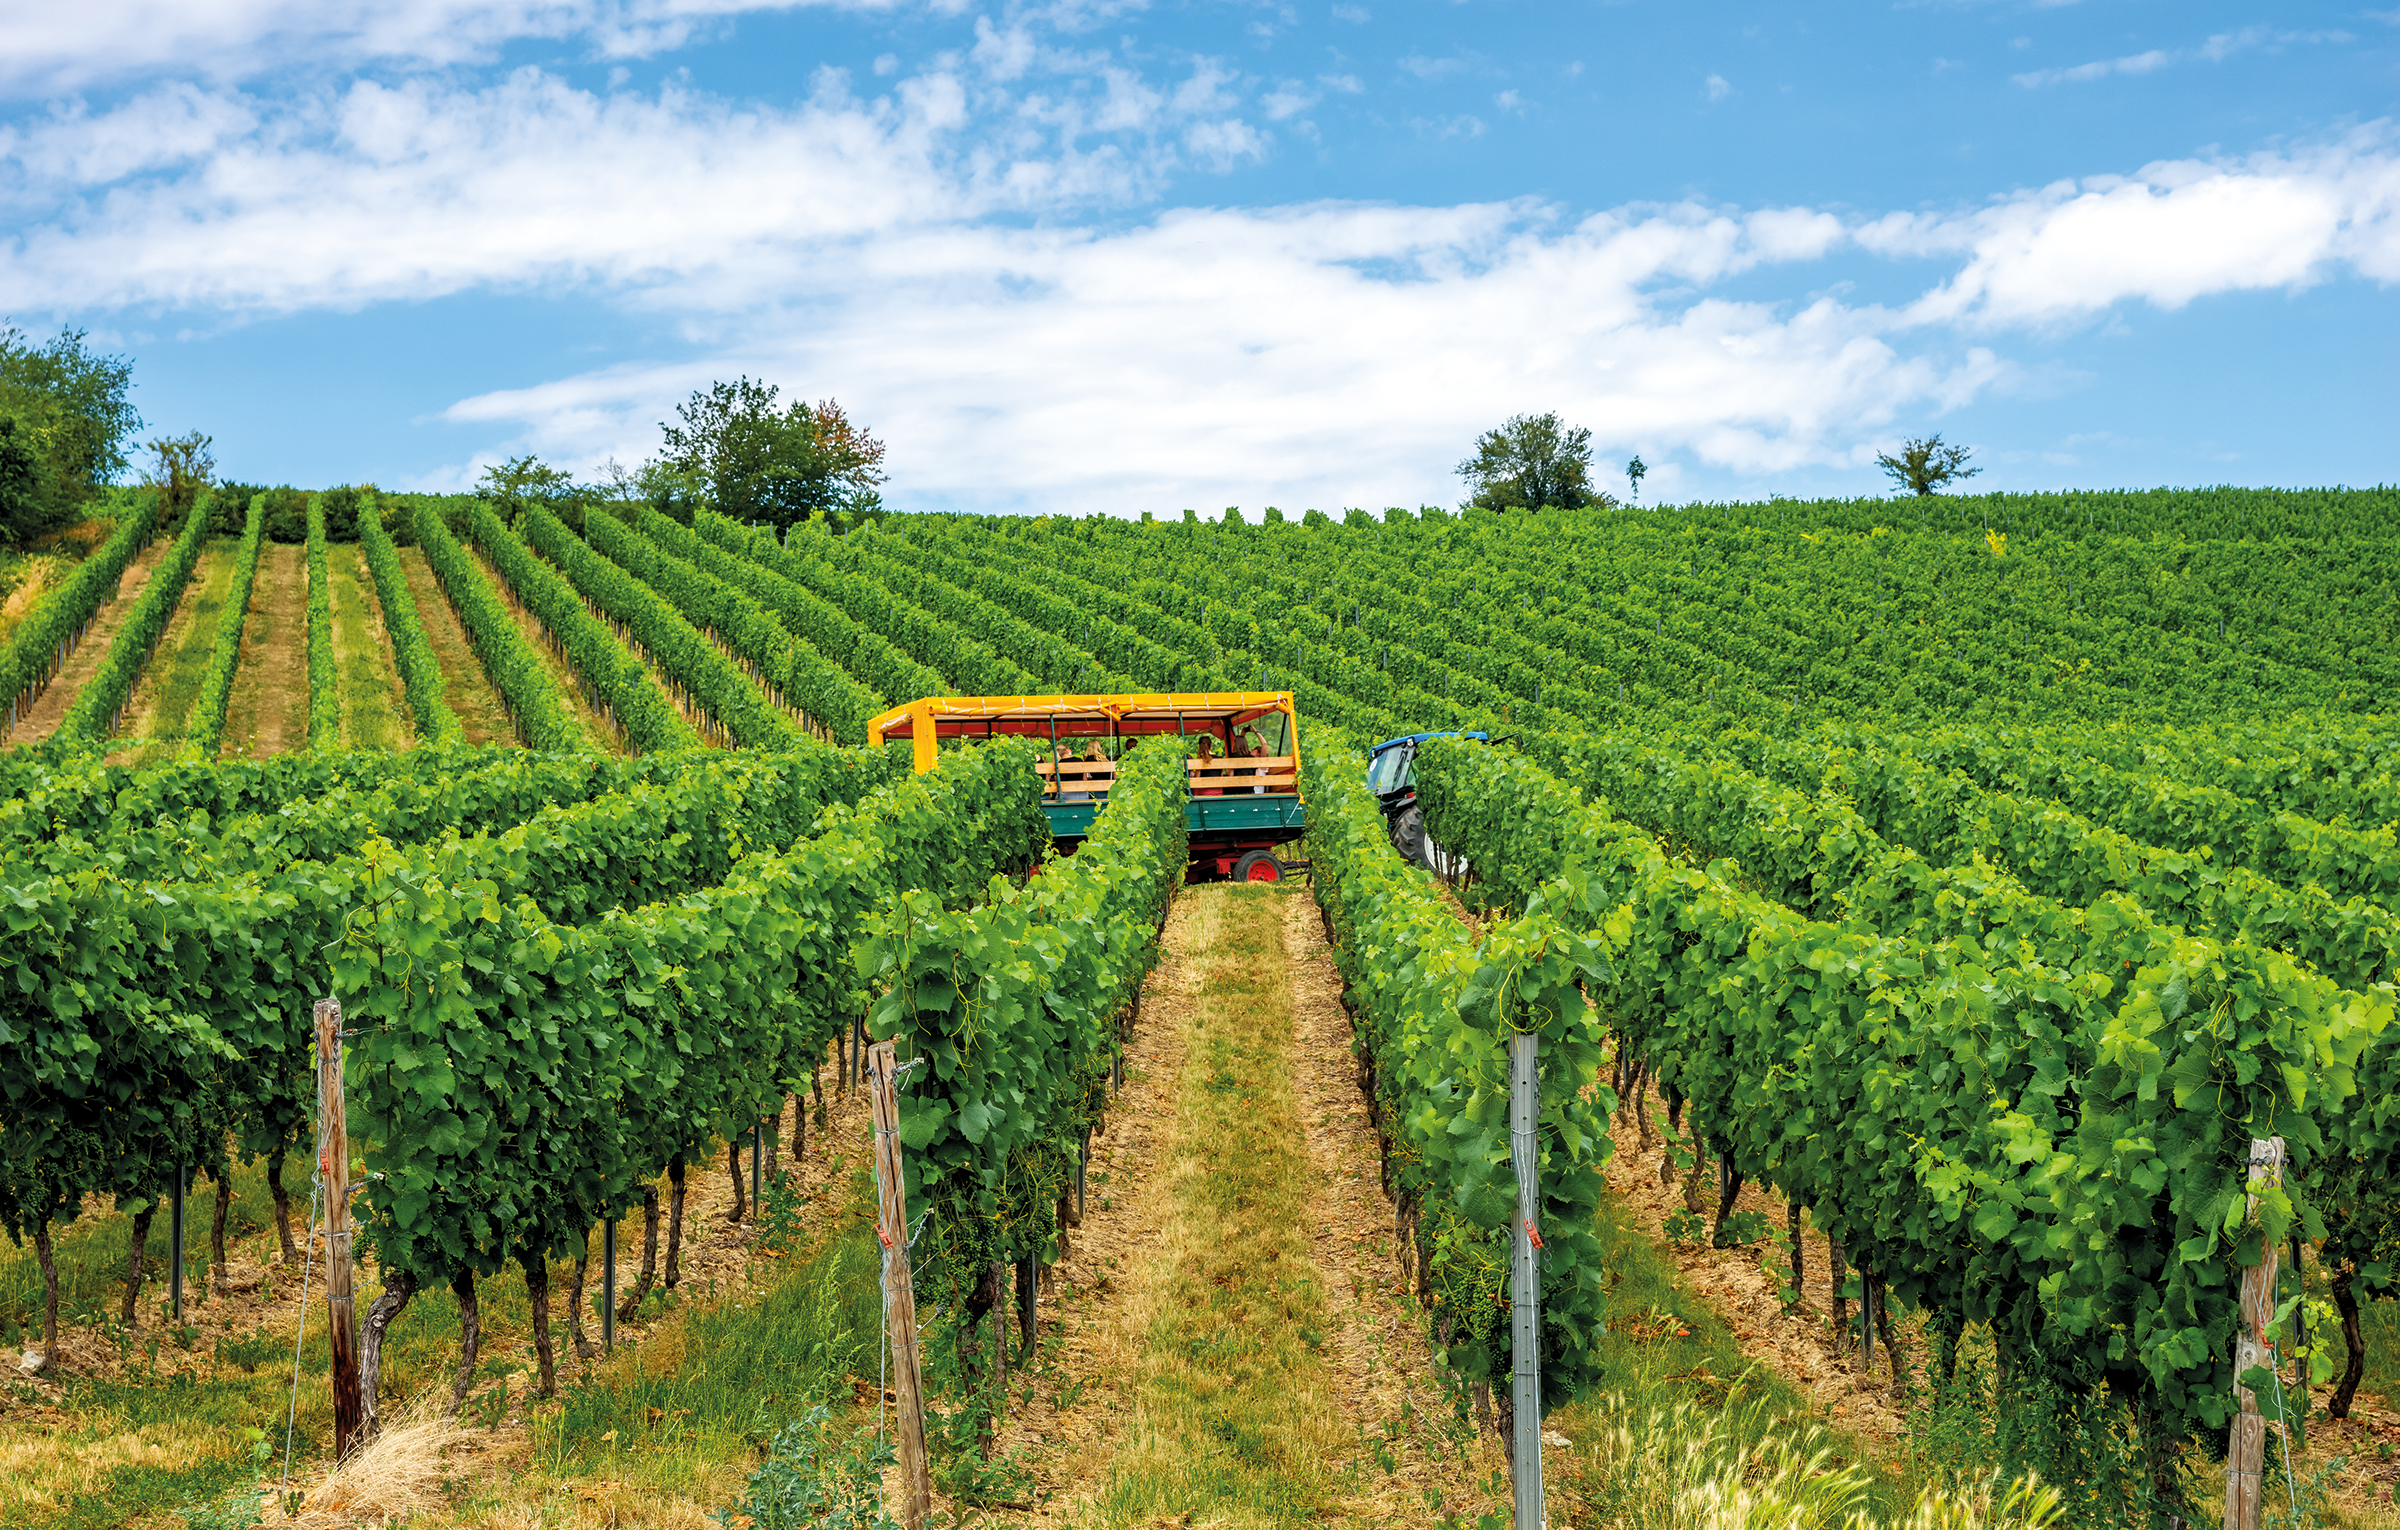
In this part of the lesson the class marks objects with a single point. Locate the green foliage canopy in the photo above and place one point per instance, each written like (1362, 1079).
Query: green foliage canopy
(761, 463)
(1533, 461)
(65, 409)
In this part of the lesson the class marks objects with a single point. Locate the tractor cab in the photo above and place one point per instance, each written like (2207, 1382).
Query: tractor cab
(1245, 800)
(1392, 777)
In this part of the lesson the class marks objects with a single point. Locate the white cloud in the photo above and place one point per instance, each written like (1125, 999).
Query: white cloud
(1289, 99)
(2173, 232)
(2215, 50)
(49, 47)
(1351, 13)
(922, 255)
(1307, 355)
(1717, 87)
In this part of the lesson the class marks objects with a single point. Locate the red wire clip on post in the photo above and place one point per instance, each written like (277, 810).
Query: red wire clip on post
(1536, 1236)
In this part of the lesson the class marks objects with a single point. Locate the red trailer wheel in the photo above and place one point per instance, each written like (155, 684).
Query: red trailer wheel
(1258, 866)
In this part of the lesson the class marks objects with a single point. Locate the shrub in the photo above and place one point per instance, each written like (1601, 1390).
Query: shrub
(340, 508)
(287, 515)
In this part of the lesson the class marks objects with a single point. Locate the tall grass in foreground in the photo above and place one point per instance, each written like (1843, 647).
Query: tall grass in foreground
(1685, 1467)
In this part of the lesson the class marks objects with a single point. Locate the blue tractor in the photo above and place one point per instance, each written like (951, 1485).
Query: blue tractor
(1392, 776)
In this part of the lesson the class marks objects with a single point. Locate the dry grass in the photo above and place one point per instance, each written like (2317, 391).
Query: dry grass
(400, 1473)
(40, 575)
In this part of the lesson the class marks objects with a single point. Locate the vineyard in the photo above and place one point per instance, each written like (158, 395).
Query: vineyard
(1949, 895)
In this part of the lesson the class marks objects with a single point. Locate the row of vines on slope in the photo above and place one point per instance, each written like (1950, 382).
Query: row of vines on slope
(1434, 1011)
(412, 652)
(1995, 1103)
(185, 1016)
(618, 687)
(536, 707)
(207, 728)
(324, 681)
(1011, 1011)
(101, 703)
(44, 639)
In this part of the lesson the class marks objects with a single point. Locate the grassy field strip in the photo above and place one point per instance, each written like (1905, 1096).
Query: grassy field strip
(268, 712)
(50, 708)
(1227, 1342)
(374, 715)
(161, 707)
(465, 687)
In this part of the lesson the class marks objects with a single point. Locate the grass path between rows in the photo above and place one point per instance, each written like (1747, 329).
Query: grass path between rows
(1231, 1343)
(50, 708)
(159, 713)
(374, 712)
(268, 711)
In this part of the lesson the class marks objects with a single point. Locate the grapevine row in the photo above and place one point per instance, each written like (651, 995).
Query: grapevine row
(324, 681)
(412, 653)
(536, 707)
(207, 730)
(618, 686)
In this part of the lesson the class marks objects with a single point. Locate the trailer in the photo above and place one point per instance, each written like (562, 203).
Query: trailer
(1245, 809)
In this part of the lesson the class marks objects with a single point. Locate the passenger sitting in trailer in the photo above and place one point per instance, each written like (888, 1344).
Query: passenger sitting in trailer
(1206, 755)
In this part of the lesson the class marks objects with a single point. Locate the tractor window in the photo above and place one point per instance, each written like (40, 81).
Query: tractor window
(1384, 774)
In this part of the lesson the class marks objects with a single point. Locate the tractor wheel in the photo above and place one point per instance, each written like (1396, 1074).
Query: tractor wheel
(1408, 834)
(1258, 866)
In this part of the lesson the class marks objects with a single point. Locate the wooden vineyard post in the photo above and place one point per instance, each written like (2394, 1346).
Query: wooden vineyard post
(2246, 1451)
(1525, 1295)
(899, 1288)
(341, 1312)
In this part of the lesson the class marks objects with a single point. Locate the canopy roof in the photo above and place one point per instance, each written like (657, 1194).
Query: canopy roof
(1128, 714)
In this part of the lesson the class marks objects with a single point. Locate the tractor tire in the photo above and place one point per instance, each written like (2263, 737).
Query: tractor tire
(1408, 834)
(1258, 866)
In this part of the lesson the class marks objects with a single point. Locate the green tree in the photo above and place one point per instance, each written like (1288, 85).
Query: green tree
(523, 483)
(1924, 466)
(69, 410)
(1531, 462)
(183, 472)
(761, 463)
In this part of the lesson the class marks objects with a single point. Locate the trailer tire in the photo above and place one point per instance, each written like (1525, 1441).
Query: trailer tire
(1258, 866)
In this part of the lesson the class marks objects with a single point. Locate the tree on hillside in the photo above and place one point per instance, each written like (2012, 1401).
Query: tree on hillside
(523, 482)
(184, 470)
(1531, 462)
(66, 407)
(1924, 466)
(761, 463)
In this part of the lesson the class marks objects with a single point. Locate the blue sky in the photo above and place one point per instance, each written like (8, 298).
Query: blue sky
(1124, 257)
